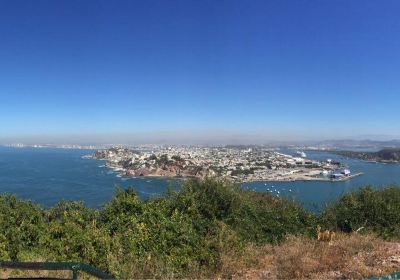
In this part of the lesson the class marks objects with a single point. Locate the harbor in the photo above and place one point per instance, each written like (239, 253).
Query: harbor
(305, 178)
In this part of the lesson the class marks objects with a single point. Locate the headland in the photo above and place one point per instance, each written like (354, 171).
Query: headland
(240, 164)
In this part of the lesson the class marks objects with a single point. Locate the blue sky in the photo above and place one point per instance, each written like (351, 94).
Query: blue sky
(272, 69)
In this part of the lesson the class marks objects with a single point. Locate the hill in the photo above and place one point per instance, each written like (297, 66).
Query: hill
(384, 155)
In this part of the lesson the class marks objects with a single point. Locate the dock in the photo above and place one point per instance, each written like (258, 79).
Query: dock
(345, 178)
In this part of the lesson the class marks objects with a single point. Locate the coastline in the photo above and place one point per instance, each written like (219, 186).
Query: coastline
(384, 156)
(293, 178)
(244, 168)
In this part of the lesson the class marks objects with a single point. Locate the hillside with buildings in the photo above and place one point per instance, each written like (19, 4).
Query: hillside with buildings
(241, 164)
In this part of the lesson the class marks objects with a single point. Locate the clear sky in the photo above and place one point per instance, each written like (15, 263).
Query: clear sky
(269, 69)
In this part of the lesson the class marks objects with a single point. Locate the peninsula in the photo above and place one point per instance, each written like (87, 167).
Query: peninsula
(388, 155)
(241, 164)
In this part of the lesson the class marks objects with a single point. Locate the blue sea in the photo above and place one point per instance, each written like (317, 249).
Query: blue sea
(47, 176)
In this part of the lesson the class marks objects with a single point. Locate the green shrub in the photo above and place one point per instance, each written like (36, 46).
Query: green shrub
(21, 226)
(183, 234)
(255, 217)
(367, 209)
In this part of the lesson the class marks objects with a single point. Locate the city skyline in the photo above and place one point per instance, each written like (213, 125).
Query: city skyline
(185, 71)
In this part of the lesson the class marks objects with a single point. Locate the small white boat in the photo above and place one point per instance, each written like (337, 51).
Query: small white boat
(301, 154)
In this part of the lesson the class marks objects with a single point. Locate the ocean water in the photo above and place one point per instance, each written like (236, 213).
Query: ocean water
(47, 176)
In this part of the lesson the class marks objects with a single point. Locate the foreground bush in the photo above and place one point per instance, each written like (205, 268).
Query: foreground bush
(367, 210)
(182, 234)
(191, 233)
(254, 217)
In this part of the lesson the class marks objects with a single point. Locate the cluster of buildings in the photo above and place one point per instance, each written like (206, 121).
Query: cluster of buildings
(241, 164)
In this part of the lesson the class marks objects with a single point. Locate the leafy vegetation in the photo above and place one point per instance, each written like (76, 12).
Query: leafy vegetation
(368, 210)
(184, 234)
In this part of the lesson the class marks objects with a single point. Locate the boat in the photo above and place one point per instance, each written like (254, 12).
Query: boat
(301, 154)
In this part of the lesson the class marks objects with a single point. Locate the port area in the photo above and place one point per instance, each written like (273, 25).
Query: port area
(345, 178)
(308, 177)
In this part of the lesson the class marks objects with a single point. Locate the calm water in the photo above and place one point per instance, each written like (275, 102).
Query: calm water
(47, 176)
(316, 195)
